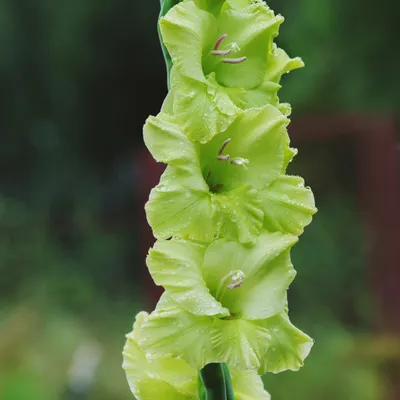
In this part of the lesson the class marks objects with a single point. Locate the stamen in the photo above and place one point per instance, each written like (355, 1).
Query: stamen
(235, 279)
(235, 284)
(223, 158)
(240, 161)
(221, 150)
(221, 52)
(234, 60)
(219, 41)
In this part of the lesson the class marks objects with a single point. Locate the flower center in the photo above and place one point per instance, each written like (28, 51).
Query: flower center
(231, 281)
(225, 158)
(217, 52)
(219, 55)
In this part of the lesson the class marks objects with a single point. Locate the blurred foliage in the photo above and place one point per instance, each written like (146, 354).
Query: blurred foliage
(77, 81)
(349, 48)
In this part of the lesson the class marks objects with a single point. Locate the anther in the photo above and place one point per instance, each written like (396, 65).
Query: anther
(221, 52)
(223, 158)
(237, 279)
(234, 60)
(231, 281)
(240, 161)
(221, 150)
(219, 41)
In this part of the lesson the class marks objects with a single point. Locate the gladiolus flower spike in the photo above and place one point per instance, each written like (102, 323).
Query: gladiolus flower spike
(225, 212)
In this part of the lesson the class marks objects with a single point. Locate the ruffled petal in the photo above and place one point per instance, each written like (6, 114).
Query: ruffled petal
(202, 109)
(176, 265)
(288, 205)
(288, 348)
(181, 204)
(171, 331)
(167, 143)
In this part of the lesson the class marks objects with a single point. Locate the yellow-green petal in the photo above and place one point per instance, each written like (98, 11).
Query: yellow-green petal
(248, 385)
(160, 378)
(202, 108)
(267, 271)
(176, 265)
(239, 343)
(171, 331)
(288, 348)
(288, 205)
(187, 31)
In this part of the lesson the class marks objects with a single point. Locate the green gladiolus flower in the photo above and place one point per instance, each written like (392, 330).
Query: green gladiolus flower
(169, 378)
(227, 299)
(229, 187)
(224, 62)
(225, 212)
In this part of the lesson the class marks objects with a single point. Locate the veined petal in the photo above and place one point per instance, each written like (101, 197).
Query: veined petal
(202, 109)
(176, 265)
(288, 205)
(248, 386)
(239, 343)
(171, 331)
(267, 269)
(187, 31)
(239, 214)
(181, 204)
(288, 348)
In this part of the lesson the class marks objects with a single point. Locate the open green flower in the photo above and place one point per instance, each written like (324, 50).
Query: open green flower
(169, 378)
(228, 299)
(224, 61)
(231, 186)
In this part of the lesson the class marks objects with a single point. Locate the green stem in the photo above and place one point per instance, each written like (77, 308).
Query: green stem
(166, 5)
(215, 382)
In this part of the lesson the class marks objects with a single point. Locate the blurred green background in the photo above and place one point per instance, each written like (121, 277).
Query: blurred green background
(77, 80)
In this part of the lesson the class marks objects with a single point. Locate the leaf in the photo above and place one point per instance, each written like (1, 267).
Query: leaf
(213, 379)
